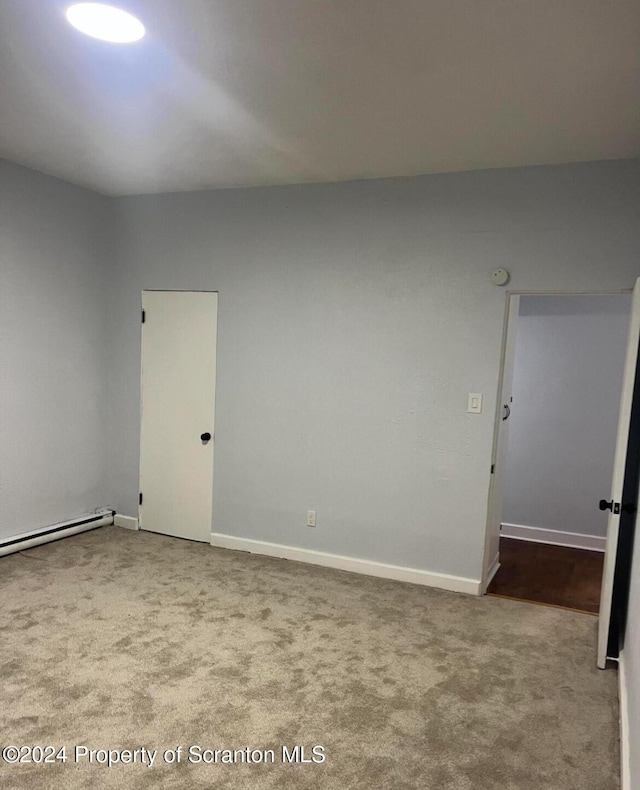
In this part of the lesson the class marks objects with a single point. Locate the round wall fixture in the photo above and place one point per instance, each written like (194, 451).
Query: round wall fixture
(500, 277)
(105, 22)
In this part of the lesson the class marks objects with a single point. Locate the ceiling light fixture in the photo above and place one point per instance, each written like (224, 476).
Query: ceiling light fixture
(105, 22)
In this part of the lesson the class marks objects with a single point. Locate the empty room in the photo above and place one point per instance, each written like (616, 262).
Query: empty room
(313, 314)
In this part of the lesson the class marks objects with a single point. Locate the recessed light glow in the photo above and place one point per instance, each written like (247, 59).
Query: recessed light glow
(105, 22)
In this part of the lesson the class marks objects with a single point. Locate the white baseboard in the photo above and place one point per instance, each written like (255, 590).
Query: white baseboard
(573, 540)
(625, 768)
(493, 569)
(126, 521)
(367, 567)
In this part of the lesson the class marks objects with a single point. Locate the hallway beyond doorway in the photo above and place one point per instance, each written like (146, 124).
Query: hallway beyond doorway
(552, 575)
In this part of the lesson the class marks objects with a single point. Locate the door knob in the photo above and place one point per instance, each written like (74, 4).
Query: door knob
(614, 507)
(205, 437)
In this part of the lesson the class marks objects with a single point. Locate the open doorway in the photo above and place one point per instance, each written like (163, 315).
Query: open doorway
(561, 379)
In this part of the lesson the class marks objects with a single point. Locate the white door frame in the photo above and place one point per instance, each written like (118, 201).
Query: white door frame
(617, 491)
(494, 496)
(491, 562)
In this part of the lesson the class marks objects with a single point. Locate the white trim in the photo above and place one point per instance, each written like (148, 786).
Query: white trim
(128, 522)
(573, 293)
(555, 537)
(500, 433)
(367, 567)
(625, 767)
(493, 569)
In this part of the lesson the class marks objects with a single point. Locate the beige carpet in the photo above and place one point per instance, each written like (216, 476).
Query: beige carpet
(122, 640)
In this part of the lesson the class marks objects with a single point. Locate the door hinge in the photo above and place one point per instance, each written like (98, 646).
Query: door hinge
(140, 498)
(493, 468)
(144, 315)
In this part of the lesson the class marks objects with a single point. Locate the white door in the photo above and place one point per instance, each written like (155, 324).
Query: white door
(500, 440)
(622, 501)
(178, 396)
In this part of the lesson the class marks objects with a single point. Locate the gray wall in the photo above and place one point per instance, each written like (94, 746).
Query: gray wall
(567, 381)
(353, 320)
(54, 266)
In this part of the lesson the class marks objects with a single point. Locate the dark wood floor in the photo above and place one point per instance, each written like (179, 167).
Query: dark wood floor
(553, 575)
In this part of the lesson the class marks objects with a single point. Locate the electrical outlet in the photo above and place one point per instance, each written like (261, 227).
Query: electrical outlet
(311, 518)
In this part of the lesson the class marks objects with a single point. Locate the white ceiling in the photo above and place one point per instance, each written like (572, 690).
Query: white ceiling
(248, 92)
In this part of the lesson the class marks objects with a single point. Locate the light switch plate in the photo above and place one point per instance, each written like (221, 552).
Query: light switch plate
(474, 404)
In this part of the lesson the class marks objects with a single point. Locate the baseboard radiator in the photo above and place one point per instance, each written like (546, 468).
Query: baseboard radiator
(56, 531)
